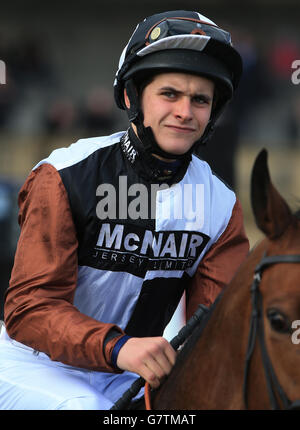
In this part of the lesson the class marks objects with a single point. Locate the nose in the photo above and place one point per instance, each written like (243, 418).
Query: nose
(183, 109)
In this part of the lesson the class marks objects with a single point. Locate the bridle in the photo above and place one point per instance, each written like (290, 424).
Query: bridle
(257, 329)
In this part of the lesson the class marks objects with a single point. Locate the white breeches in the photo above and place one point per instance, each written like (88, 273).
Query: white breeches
(30, 380)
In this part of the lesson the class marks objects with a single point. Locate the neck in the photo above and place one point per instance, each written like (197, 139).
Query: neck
(159, 157)
(203, 391)
(166, 160)
(149, 167)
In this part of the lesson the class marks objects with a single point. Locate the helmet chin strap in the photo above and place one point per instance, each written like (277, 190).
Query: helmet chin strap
(146, 134)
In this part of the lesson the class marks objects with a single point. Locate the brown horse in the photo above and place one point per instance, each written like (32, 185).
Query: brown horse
(244, 356)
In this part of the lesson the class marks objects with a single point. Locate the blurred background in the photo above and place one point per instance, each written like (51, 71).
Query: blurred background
(60, 59)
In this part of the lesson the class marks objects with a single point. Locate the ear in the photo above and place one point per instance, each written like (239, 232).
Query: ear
(126, 99)
(271, 212)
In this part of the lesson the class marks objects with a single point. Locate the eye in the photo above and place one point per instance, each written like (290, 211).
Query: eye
(278, 321)
(201, 99)
(169, 94)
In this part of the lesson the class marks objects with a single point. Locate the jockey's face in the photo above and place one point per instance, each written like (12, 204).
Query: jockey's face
(177, 107)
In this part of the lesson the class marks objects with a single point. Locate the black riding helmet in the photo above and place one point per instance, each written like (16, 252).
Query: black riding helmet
(181, 41)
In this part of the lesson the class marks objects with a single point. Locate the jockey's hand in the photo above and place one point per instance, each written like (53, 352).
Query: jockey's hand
(150, 357)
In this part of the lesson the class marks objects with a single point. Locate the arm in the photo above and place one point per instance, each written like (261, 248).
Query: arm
(219, 265)
(39, 309)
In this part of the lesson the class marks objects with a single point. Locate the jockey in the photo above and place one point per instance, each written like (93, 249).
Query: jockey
(115, 229)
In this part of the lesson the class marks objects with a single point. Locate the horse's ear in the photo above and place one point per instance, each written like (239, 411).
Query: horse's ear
(271, 212)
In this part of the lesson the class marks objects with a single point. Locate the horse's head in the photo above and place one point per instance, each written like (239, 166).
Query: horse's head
(277, 285)
(228, 363)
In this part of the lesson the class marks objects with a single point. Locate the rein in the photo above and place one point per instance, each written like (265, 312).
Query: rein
(176, 342)
(257, 329)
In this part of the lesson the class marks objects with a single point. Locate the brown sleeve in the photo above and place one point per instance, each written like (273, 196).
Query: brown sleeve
(39, 309)
(219, 265)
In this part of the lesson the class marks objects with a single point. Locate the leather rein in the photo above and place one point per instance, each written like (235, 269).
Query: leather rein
(274, 388)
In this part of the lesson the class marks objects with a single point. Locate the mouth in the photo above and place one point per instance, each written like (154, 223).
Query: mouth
(181, 129)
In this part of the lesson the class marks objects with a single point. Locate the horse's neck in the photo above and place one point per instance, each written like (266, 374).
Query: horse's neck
(210, 374)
